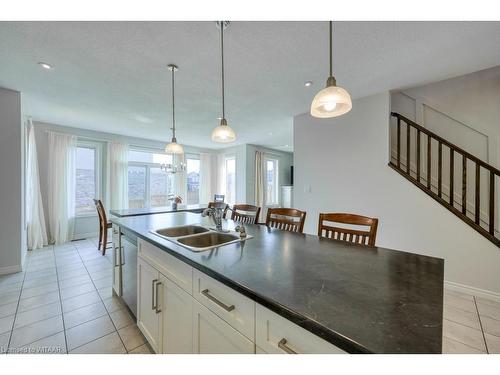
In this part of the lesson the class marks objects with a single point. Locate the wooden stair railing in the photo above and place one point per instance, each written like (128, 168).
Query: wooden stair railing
(424, 180)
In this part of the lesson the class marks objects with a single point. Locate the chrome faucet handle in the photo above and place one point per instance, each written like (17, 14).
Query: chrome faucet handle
(241, 229)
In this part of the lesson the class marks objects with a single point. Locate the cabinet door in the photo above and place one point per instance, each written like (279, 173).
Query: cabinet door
(148, 313)
(212, 335)
(176, 318)
(117, 280)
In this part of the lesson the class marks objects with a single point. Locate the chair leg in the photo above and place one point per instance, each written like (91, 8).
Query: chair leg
(104, 241)
(100, 237)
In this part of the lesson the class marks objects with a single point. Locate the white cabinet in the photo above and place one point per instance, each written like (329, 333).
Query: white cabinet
(176, 319)
(287, 196)
(231, 306)
(212, 335)
(148, 309)
(277, 335)
(182, 310)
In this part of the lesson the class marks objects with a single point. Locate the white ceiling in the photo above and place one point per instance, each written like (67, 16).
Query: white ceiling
(111, 76)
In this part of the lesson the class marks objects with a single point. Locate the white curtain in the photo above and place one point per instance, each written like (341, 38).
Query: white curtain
(62, 178)
(180, 178)
(205, 178)
(35, 218)
(221, 175)
(118, 175)
(259, 184)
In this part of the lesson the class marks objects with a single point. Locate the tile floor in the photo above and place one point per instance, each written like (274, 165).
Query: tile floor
(63, 303)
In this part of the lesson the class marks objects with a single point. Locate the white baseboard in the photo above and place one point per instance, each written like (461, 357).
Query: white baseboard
(486, 294)
(10, 269)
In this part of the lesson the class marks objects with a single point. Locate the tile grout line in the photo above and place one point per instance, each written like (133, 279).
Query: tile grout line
(481, 325)
(102, 301)
(62, 310)
(17, 308)
(459, 342)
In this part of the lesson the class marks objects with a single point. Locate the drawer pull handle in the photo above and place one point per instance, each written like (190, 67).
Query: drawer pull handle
(207, 294)
(115, 256)
(283, 346)
(154, 306)
(157, 310)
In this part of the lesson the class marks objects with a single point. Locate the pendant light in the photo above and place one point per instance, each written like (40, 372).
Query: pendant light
(333, 100)
(173, 147)
(223, 133)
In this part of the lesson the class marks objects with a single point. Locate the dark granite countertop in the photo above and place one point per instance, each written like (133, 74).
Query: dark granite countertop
(363, 300)
(158, 210)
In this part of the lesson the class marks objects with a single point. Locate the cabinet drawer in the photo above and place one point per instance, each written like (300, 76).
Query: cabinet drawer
(275, 334)
(212, 335)
(236, 309)
(173, 268)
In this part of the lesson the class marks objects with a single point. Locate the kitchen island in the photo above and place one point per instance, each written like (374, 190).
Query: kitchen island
(361, 300)
(195, 208)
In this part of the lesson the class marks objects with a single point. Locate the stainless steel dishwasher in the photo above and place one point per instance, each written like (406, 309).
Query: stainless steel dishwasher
(125, 267)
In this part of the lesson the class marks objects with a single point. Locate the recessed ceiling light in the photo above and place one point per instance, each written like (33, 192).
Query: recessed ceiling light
(308, 83)
(45, 65)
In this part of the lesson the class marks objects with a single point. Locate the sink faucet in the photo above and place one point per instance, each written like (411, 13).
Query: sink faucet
(216, 214)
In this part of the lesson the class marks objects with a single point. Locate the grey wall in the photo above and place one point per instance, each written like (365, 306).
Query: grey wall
(341, 166)
(12, 227)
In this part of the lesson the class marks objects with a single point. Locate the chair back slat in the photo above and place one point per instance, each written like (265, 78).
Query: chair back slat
(357, 236)
(288, 219)
(245, 213)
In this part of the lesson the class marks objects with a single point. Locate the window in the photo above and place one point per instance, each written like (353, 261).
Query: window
(86, 185)
(271, 182)
(136, 186)
(193, 180)
(148, 185)
(230, 175)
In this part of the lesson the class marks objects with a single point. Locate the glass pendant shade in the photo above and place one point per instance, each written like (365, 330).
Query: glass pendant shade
(332, 101)
(223, 133)
(174, 148)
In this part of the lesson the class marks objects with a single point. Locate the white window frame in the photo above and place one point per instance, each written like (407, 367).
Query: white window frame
(193, 157)
(148, 165)
(276, 201)
(97, 147)
(226, 158)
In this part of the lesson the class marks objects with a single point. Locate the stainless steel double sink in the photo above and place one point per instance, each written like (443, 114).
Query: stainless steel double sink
(198, 238)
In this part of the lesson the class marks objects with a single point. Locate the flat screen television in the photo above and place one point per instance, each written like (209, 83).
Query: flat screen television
(291, 175)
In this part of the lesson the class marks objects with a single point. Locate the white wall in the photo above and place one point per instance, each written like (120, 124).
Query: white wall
(12, 226)
(464, 110)
(340, 165)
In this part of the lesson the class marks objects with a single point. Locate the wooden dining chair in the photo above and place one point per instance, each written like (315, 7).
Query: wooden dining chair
(222, 205)
(289, 219)
(245, 213)
(104, 225)
(357, 236)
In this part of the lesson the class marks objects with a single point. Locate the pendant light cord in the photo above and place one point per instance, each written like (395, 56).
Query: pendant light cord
(222, 59)
(331, 48)
(173, 105)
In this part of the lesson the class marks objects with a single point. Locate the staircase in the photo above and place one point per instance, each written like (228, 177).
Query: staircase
(461, 182)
